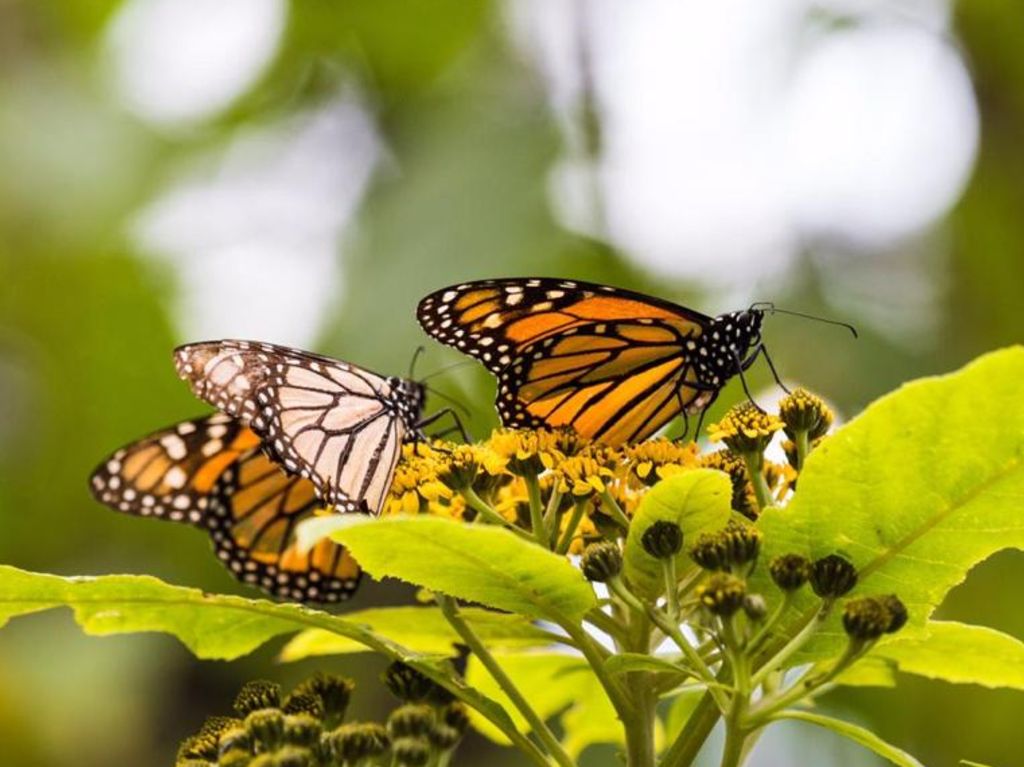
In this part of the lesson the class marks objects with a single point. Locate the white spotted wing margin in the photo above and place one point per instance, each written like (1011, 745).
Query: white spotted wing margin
(338, 425)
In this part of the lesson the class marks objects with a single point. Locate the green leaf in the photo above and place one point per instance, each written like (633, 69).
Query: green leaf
(872, 671)
(478, 563)
(855, 733)
(422, 629)
(553, 684)
(697, 501)
(622, 663)
(212, 626)
(961, 653)
(922, 486)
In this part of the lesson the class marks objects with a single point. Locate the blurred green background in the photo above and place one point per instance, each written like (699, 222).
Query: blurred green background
(303, 171)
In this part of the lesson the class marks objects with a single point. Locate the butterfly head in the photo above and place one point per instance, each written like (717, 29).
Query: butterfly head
(411, 396)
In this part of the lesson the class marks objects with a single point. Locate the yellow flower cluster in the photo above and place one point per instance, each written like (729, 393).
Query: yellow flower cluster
(570, 489)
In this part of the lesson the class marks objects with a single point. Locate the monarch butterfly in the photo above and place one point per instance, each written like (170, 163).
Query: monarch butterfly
(612, 364)
(211, 473)
(336, 424)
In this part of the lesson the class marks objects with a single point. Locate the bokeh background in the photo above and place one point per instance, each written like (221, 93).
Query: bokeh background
(302, 171)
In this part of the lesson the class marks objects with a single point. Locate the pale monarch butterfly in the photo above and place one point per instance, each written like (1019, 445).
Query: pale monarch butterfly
(612, 364)
(338, 425)
(211, 473)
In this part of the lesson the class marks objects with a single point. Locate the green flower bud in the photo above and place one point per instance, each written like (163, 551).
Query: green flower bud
(710, 552)
(443, 737)
(292, 756)
(302, 730)
(413, 720)
(866, 619)
(357, 742)
(742, 543)
(266, 726)
(234, 739)
(257, 695)
(755, 607)
(897, 612)
(235, 757)
(722, 594)
(456, 716)
(406, 683)
(662, 540)
(201, 747)
(411, 752)
(334, 692)
(601, 561)
(790, 571)
(832, 576)
(302, 702)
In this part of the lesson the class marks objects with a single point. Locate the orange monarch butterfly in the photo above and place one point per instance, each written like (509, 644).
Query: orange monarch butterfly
(612, 364)
(336, 424)
(211, 473)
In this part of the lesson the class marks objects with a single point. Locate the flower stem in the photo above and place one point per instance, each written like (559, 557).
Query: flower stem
(755, 462)
(668, 565)
(536, 510)
(578, 511)
(768, 625)
(551, 517)
(792, 645)
(539, 727)
(802, 448)
(487, 512)
(612, 508)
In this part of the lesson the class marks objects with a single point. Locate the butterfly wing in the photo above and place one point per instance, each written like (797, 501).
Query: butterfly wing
(171, 473)
(336, 424)
(614, 382)
(211, 473)
(493, 320)
(254, 511)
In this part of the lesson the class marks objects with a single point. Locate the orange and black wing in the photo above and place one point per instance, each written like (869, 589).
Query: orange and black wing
(615, 382)
(171, 473)
(495, 320)
(254, 511)
(212, 473)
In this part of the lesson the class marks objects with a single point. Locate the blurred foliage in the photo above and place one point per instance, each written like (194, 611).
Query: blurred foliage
(87, 324)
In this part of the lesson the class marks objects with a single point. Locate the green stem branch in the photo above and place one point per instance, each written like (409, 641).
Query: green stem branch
(537, 724)
(488, 512)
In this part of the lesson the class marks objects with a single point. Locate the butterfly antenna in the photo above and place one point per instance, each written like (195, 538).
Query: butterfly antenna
(769, 307)
(448, 398)
(415, 356)
(445, 369)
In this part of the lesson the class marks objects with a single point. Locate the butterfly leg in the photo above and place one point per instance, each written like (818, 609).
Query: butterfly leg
(703, 412)
(455, 417)
(771, 366)
(743, 380)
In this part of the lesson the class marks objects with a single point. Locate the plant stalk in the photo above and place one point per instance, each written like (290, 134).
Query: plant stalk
(537, 725)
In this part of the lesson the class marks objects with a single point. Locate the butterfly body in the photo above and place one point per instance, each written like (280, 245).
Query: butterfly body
(612, 364)
(212, 474)
(336, 424)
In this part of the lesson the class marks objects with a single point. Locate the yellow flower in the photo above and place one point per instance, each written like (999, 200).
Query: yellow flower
(803, 411)
(745, 428)
(585, 533)
(415, 486)
(457, 466)
(727, 461)
(658, 458)
(780, 477)
(526, 451)
(582, 475)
